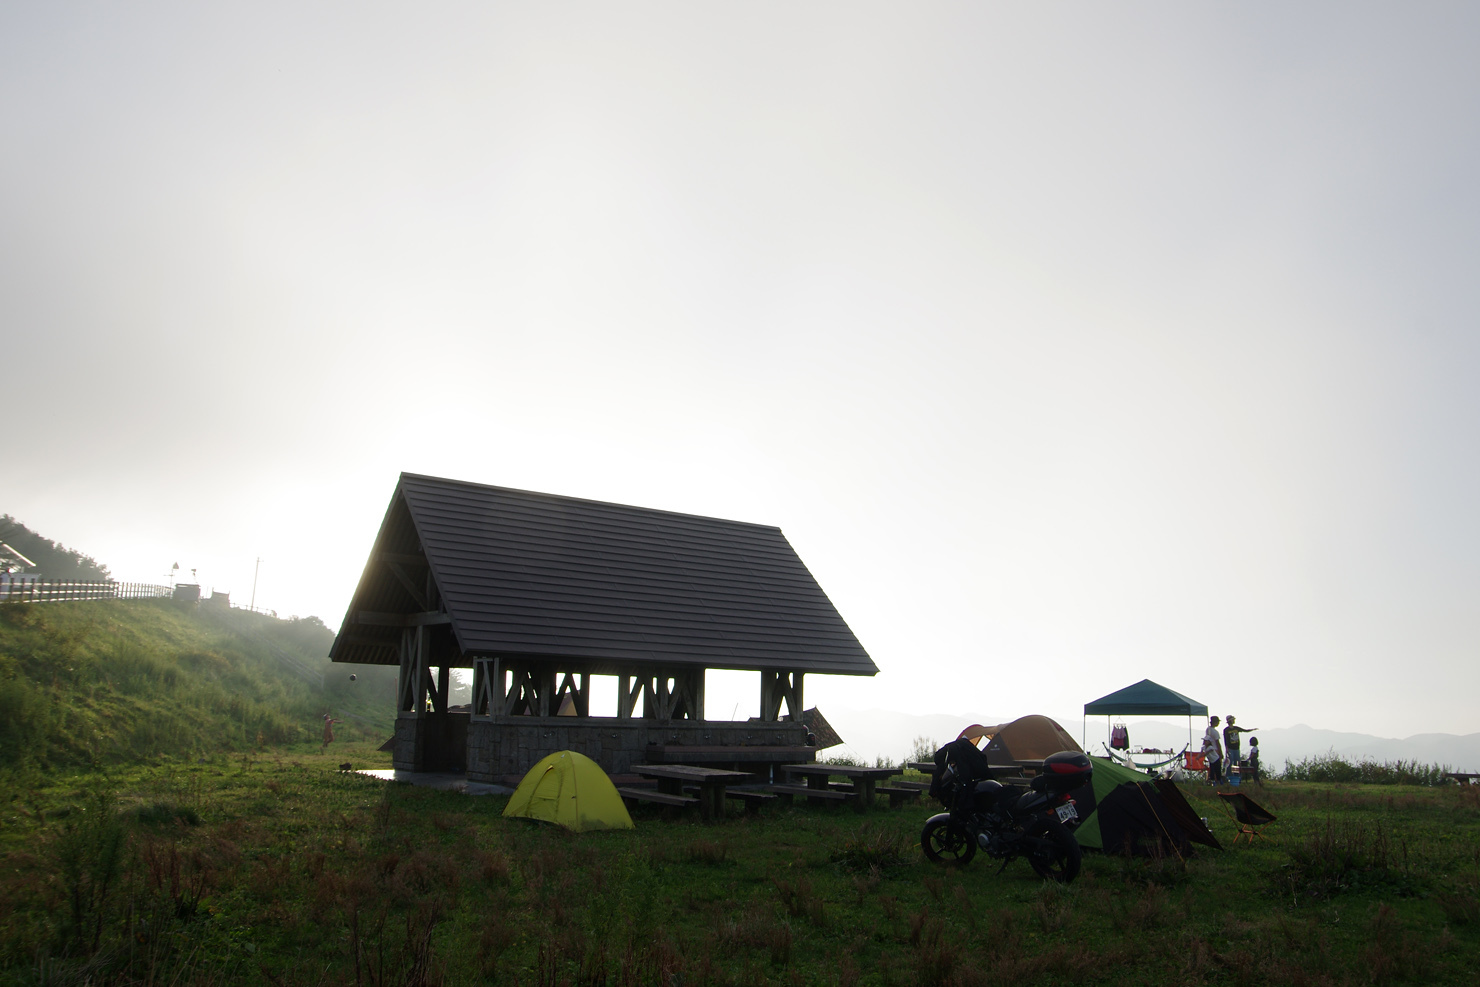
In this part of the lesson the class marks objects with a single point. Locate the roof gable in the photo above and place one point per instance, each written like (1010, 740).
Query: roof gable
(539, 575)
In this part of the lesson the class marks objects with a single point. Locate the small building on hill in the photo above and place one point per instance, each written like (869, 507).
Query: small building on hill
(538, 593)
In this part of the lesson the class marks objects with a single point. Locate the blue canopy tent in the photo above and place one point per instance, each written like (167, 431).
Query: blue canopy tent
(1145, 698)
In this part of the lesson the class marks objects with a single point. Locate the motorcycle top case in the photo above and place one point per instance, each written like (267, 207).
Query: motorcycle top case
(1064, 772)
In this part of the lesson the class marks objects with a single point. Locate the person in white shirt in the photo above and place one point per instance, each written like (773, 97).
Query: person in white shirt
(1212, 749)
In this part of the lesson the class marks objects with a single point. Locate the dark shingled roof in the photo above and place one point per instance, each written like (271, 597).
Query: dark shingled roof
(603, 585)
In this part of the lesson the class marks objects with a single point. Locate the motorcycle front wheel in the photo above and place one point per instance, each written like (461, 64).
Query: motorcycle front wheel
(1059, 860)
(947, 843)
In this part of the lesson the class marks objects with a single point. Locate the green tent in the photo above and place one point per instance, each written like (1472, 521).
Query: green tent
(1145, 698)
(1124, 811)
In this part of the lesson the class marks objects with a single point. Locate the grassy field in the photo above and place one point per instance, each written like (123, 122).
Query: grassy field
(275, 868)
(168, 817)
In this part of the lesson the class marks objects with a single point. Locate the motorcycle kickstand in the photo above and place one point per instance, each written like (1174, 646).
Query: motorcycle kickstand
(1005, 862)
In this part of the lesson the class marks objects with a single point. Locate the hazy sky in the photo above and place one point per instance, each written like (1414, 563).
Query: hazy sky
(1068, 344)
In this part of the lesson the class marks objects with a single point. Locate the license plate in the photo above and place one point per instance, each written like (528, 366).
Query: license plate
(1067, 811)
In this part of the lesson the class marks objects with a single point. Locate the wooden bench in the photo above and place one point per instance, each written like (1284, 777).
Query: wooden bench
(1464, 778)
(906, 792)
(821, 794)
(753, 800)
(899, 793)
(652, 795)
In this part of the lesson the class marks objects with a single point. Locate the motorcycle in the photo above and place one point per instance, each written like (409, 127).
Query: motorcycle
(1006, 821)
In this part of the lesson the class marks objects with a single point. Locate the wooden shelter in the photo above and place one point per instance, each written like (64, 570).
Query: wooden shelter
(536, 593)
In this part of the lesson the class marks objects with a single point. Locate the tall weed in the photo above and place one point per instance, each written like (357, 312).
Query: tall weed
(89, 855)
(1331, 767)
(1341, 856)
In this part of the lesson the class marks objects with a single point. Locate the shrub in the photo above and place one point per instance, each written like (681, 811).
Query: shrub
(1332, 767)
(923, 749)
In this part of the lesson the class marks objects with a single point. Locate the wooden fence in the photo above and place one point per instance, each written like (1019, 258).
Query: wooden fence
(15, 589)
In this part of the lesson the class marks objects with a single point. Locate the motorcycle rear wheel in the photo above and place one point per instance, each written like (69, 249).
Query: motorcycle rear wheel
(1061, 859)
(946, 843)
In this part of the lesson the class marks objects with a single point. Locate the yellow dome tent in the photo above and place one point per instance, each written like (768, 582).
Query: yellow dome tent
(571, 790)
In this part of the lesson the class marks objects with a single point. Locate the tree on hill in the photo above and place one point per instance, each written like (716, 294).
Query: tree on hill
(53, 561)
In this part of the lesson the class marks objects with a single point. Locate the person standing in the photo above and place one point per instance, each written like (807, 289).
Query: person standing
(329, 722)
(1254, 762)
(1231, 741)
(1213, 752)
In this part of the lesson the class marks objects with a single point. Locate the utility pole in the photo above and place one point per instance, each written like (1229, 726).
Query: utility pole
(255, 570)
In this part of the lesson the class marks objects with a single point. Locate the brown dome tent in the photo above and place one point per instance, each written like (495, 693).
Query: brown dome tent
(1027, 738)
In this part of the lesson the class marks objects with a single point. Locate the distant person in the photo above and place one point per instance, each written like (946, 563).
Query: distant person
(1231, 740)
(329, 722)
(1212, 750)
(1254, 762)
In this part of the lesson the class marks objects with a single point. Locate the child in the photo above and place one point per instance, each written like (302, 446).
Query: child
(329, 722)
(1254, 761)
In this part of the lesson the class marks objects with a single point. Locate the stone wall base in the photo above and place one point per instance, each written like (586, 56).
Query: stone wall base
(512, 745)
(431, 742)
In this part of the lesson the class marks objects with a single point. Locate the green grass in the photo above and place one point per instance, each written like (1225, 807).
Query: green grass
(275, 868)
(167, 817)
(87, 684)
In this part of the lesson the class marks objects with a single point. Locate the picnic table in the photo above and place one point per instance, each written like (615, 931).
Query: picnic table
(863, 779)
(999, 772)
(711, 781)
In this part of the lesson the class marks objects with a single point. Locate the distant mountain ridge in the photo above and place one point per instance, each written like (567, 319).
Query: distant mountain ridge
(873, 733)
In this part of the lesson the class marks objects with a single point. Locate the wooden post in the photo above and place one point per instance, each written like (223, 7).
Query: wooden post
(444, 683)
(488, 687)
(629, 687)
(778, 688)
(410, 674)
(794, 697)
(649, 698)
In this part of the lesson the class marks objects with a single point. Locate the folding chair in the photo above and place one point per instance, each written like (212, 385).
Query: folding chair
(1250, 815)
(1195, 761)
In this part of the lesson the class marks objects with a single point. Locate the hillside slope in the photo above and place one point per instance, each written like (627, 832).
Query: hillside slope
(90, 683)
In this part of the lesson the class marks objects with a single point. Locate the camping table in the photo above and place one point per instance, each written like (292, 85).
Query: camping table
(863, 778)
(711, 782)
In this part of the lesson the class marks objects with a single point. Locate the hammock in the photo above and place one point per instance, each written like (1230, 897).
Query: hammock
(1134, 765)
